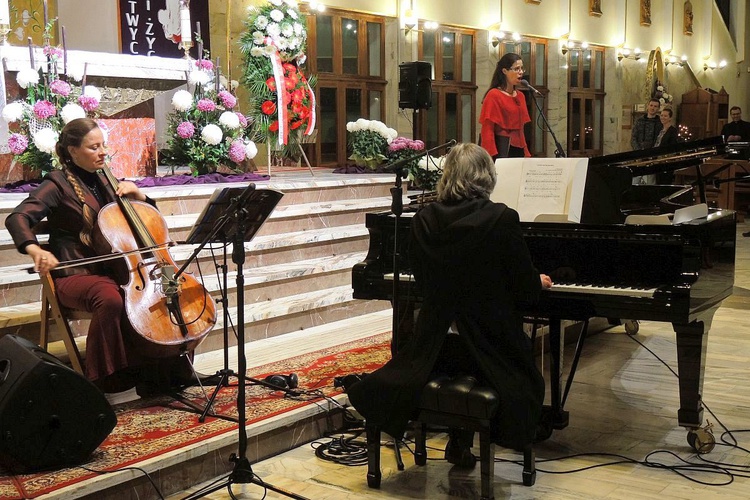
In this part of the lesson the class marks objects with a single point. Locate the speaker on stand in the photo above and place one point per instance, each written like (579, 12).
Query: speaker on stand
(415, 88)
(50, 415)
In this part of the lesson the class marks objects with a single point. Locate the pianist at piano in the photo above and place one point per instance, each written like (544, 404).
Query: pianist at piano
(473, 269)
(606, 268)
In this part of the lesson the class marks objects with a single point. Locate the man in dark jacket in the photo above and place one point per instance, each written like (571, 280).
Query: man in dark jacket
(737, 129)
(647, 127)
(472, 264)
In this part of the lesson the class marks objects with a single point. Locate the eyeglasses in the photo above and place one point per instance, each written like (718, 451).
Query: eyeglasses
(518, 69)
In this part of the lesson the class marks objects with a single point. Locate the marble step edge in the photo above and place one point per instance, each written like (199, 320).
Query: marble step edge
(14, 315)
(8, 201)
(186, 221)
(17, 273)
(253, 313)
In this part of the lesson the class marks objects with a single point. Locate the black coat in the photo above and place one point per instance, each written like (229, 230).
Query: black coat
(473, 267)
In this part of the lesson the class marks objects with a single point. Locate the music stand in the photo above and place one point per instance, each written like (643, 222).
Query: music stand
(236, 214)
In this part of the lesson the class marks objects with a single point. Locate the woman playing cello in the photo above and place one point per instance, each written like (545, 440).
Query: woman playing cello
(71, 199)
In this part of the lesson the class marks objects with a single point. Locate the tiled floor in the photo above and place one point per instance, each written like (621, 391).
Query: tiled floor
(624, 402)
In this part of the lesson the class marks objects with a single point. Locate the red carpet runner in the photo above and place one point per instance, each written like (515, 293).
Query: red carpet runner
(146, 429)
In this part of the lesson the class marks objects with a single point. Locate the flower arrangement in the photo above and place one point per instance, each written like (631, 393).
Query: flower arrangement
(205, 130)
(50, 102)
(369, 141)
(660, 93)
(282, 100)
(427, 172)
(402, 148)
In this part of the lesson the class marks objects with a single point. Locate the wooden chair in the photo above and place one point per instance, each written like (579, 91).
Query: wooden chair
(453, 402)
(52, 310)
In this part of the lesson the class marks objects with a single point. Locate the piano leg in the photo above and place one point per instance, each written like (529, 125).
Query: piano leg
(691, 363)
(558, 417)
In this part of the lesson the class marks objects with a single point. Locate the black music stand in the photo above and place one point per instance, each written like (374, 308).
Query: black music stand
(235, 214)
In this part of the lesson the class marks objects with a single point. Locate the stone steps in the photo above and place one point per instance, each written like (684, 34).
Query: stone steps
(297, 270)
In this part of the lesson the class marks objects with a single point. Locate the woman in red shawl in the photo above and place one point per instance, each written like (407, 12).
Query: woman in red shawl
(504, 112)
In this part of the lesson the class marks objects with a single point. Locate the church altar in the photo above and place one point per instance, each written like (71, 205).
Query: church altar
(128, 85)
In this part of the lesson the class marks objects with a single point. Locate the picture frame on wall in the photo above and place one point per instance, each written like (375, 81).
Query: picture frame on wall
(595, 8)
(688, 18)
(534, 1)
(645, 12)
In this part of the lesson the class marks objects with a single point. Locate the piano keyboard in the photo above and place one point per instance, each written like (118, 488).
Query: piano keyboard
(571, 288)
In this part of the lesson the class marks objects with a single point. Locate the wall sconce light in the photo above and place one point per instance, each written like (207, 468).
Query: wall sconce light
(411, 21)
(570, 45)
(712, 65)
(317, 7)
(503, 37)
(625, 53)
(676, 61)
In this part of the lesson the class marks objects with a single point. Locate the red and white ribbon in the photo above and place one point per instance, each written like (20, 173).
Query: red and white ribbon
(282, 111)
(311, 119)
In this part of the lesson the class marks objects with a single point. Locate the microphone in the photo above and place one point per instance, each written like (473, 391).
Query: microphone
(398, 164)
(528, 86)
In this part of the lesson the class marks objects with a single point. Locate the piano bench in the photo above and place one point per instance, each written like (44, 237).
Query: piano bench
(457, 402)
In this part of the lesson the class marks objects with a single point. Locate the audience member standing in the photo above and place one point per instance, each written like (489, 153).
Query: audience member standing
(737, 129)
(647, 127)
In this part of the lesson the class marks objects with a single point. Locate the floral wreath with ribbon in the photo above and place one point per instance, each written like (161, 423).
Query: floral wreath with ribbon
(282, 100)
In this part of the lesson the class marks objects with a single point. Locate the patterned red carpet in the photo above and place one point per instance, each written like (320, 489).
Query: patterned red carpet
(150, 427)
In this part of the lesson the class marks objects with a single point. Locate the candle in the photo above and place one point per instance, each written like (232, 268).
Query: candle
(45, 14)
(65, 53)
(185, 33)
(200, 39)
(217, 74)
(4, 12)
(31, 53)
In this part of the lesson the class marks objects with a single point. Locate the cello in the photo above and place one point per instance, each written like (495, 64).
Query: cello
(171, 315)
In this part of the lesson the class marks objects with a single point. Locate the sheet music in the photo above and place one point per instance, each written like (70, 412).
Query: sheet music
(534, 186)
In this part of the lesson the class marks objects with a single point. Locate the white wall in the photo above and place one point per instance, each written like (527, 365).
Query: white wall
(90, 24)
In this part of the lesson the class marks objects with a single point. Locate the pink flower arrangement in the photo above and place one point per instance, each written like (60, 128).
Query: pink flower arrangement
(18, 143)
(205, 64)
(60, 87)
(88, 103)
(206, 105)
(185, 130)
(44, 109)
(227, 99)
(237, 151)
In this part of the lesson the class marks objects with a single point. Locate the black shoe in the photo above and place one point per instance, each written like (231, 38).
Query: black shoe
(460, 455)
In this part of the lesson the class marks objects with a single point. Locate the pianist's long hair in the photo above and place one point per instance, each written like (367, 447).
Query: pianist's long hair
(468, 172)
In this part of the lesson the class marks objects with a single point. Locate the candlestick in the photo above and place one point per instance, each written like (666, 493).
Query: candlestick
(218, 61)
(65, 53)
(31, 53)
(185, 35)
(200, 39)
(45, 14)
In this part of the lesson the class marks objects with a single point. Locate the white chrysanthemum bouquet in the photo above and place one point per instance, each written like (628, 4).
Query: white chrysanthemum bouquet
(205, 130)
(51, 102)
(368, 141)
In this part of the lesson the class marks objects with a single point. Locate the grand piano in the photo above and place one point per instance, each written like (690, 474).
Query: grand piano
(602, 267)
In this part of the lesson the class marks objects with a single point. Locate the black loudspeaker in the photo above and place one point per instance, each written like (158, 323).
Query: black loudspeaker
(415, 85)
(50, 415)
(283, 381)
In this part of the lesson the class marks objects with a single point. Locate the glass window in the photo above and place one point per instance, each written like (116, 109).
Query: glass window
(575, 124)
(428, 50)
(432, 123)
(467, 48)
(376, 109)
(540, 63)
(598, 70)
(448, 41)
(327, 126)
(451, 116)
(350, 46)
(324, 43)
(588, 129)
(373, 48)
(586, 55)
(466, 118)
(353, 104)
(573, 58)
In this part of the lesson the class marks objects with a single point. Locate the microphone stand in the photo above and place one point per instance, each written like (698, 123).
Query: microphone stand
(559, 151)
(397, 208)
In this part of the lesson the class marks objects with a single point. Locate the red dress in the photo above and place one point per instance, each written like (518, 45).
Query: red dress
(503, 114)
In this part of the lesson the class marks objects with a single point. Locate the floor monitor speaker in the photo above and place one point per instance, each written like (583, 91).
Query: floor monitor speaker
(50, 415)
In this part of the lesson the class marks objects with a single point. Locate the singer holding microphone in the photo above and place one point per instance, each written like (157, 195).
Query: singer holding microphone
(471, 262)
(504, 111)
